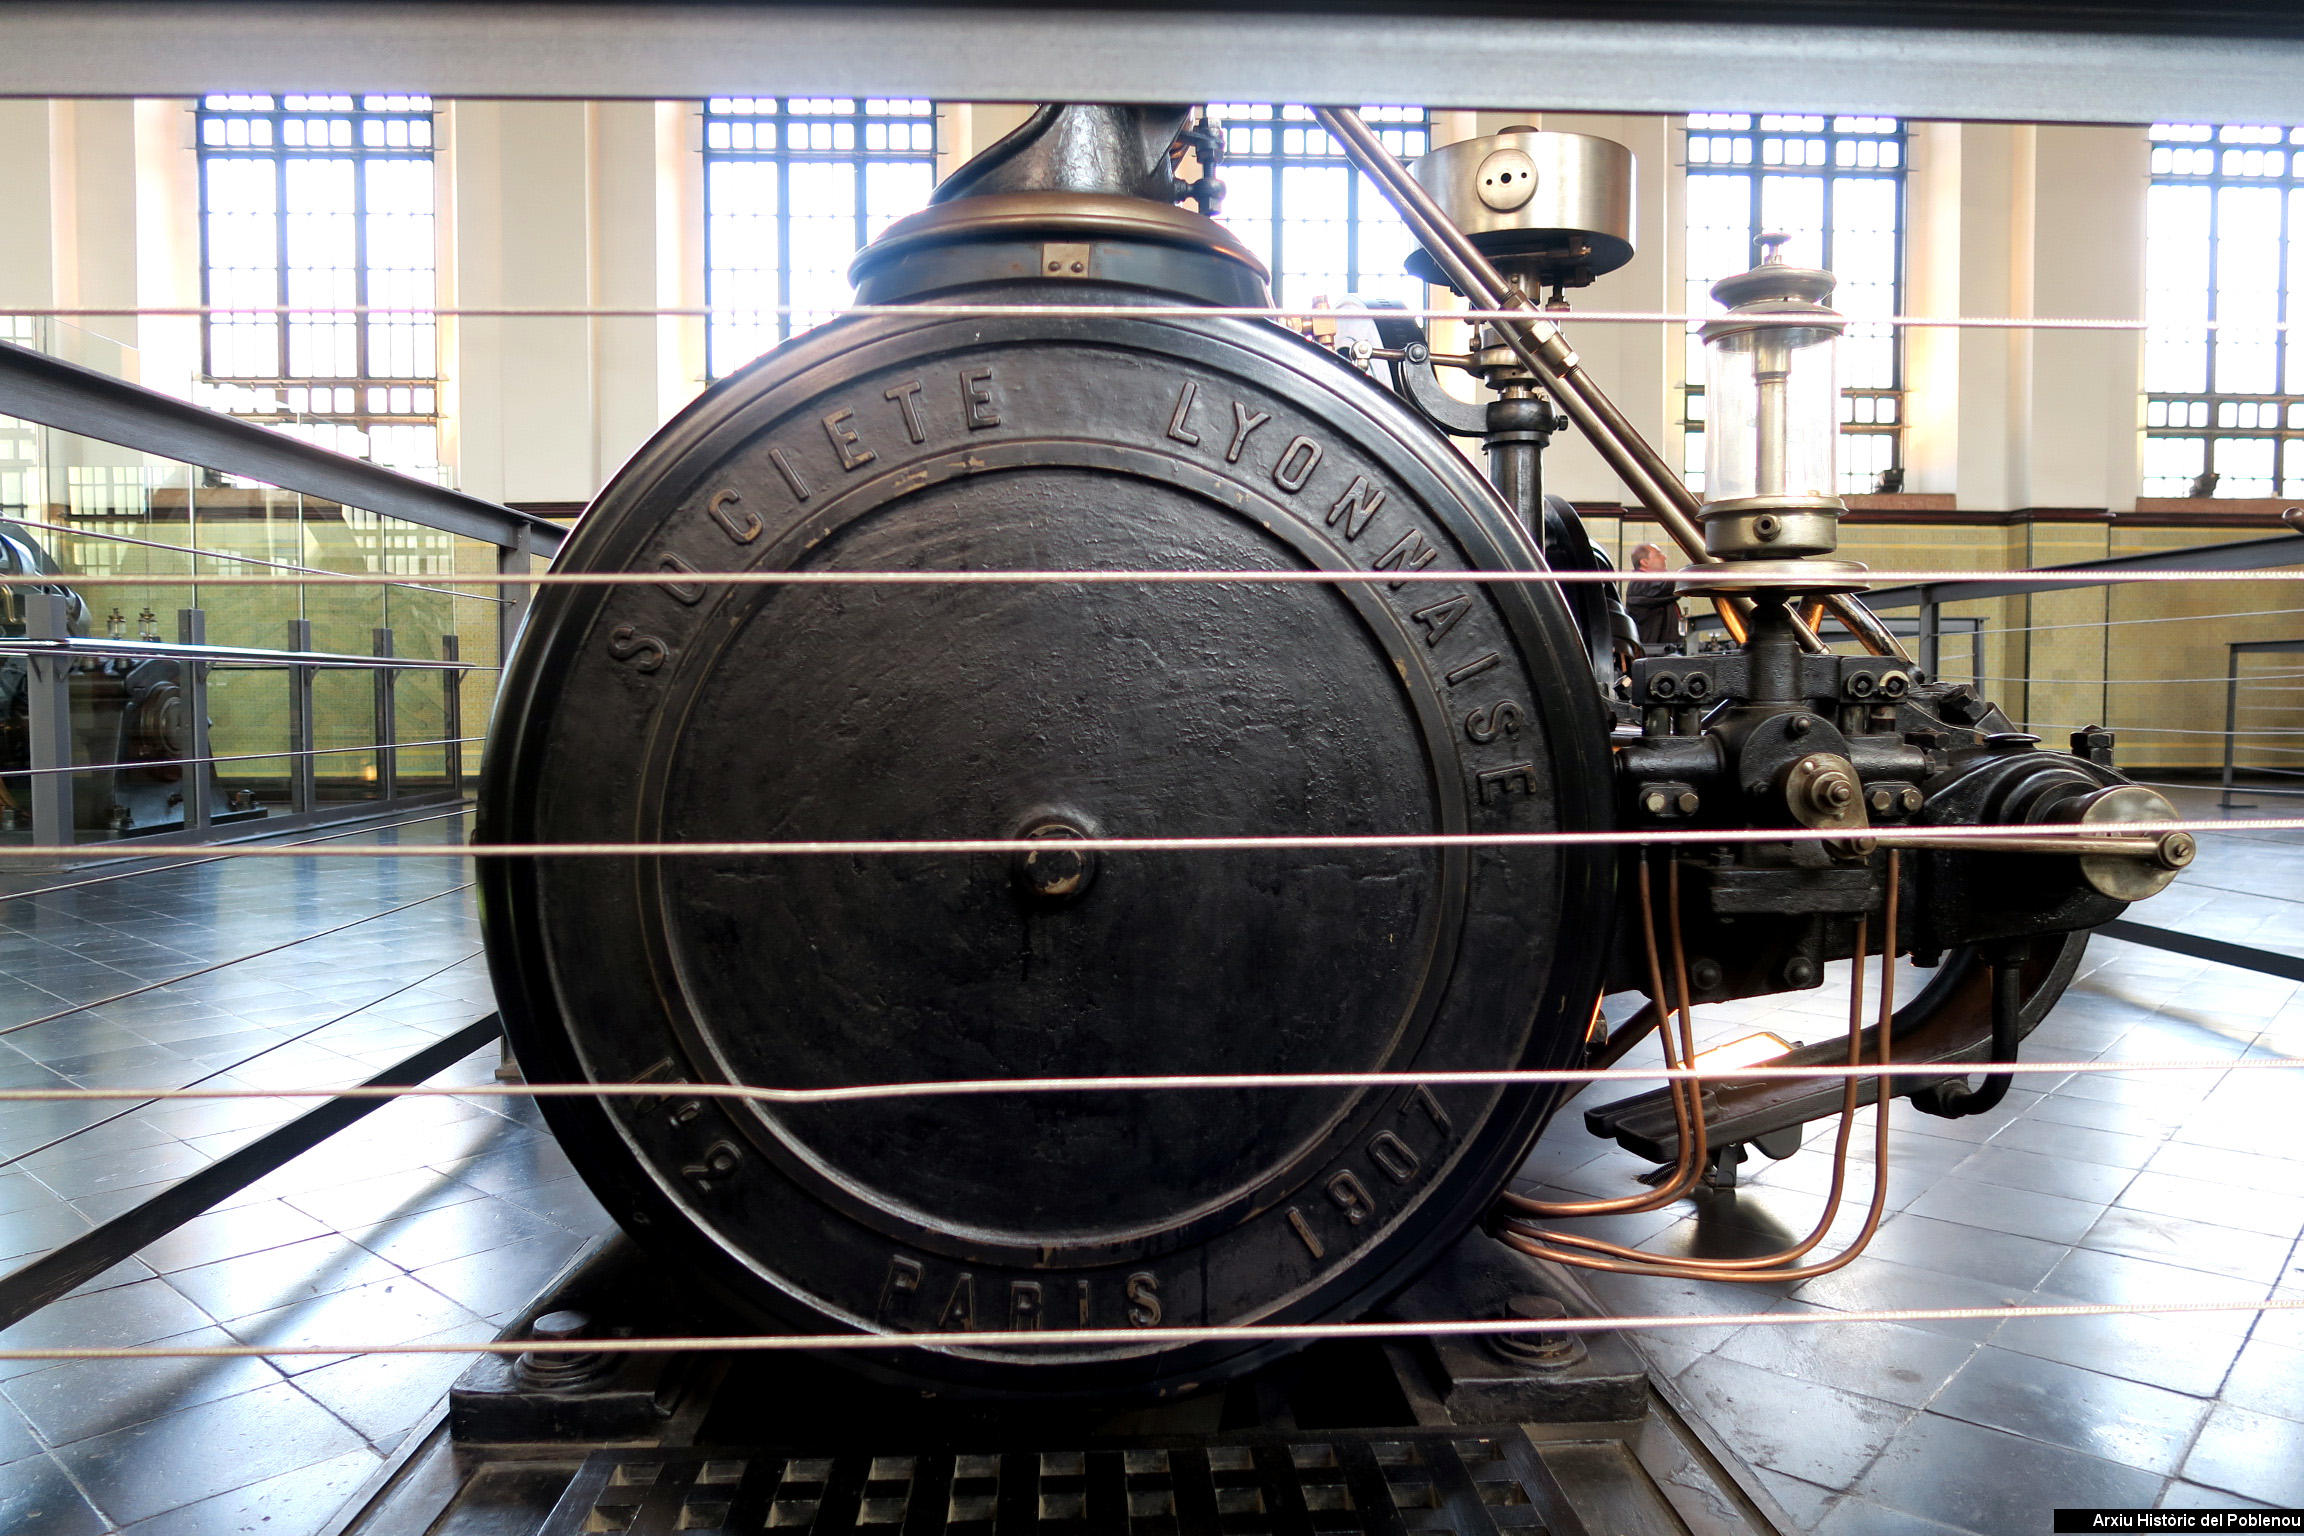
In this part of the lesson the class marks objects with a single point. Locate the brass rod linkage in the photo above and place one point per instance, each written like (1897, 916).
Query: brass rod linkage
(1538, 343)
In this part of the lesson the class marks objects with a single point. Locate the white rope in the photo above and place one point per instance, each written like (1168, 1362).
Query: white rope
(862, 847)
(1163, 1335)
(961, 1088)
(1692, 580)
(1114, 312)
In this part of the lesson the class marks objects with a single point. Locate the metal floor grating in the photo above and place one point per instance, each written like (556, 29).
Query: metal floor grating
(1433, 1483)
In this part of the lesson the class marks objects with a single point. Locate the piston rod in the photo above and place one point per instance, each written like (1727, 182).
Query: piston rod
(1538, 343)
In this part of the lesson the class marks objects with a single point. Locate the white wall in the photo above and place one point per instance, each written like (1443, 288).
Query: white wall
(584, 204)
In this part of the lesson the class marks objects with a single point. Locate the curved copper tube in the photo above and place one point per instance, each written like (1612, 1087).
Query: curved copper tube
(1741, 1270)
(1831, 1213)
(1685, 1094)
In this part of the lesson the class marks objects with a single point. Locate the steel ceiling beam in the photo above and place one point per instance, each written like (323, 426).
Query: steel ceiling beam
(2027, 62)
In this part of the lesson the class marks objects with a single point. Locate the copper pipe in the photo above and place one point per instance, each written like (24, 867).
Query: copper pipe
(1686, 1095)
(1663, 1267)
(1831, 1213)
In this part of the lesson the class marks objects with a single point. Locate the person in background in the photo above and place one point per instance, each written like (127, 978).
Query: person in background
(1655, 605)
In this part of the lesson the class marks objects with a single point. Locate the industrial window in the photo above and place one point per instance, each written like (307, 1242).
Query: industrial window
(323, 201)
(2224, 252)
(793, 188)
(1836, 186)
(1322, 227)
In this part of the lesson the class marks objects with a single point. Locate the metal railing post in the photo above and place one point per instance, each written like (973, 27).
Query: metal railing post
(303, 768)
(511, 560)
(1931, 638)
(387, 721)
(199, 773)
(452, 713)
(2231, 719)
(48, 692)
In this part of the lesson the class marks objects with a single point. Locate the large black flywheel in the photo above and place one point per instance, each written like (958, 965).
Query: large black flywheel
(679, 710)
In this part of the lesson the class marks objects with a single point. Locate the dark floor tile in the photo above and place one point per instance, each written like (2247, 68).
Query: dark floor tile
(453, 1232)
(1852, 1516)
(1642, 1296)
(2233, 1170)
(22, 1192)
(2081, 1410)
(2268, 1378)
(2128, 1119)
(492, 1282)
(16, 1438)
(106, 1204)
(125, 1315)
(295, 1503)
(516, 1165)
(1888, 1360)
(2250, 1454)
(199, 1452)
(229, 1233)
(570, 1203)
(2088, 1275)
(383, 1396)
(2109, 1148)
(279, 1277)
(2176, 1353)
(1875, 1284)
(2214, 1250)
(1996, 1258)
(2050, 1175)
(1818, 1433)
(2183, 1495)
(37, 1496)
(1803, 1502)
(1989, 1480)
(36, 1230)
(2274, 1213)
(1998, 1208)
(368, 1201)
(79, 1398)
(108, 1171)
(126, 1272)
(388, 1312)
(124, 1135)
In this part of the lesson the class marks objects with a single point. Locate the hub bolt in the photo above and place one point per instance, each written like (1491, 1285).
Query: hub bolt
(1542, 1349)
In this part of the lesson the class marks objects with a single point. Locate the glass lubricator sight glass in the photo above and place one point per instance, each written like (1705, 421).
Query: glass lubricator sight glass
(1772, 399)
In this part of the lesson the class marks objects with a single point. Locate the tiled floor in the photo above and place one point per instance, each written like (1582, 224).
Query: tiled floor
(437, 1218)
(2090, 1188)
(431, 1218)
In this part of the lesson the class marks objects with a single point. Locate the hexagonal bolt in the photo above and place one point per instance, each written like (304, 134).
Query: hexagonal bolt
(1542, 1349)
(1862, 685)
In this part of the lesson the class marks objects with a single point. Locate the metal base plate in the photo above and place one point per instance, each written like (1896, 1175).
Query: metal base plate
(1344, 1439)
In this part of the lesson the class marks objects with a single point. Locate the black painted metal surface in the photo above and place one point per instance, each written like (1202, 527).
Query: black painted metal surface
(681, 711)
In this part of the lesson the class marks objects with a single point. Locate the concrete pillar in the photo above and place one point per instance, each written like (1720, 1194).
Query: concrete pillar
(2087, 260)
